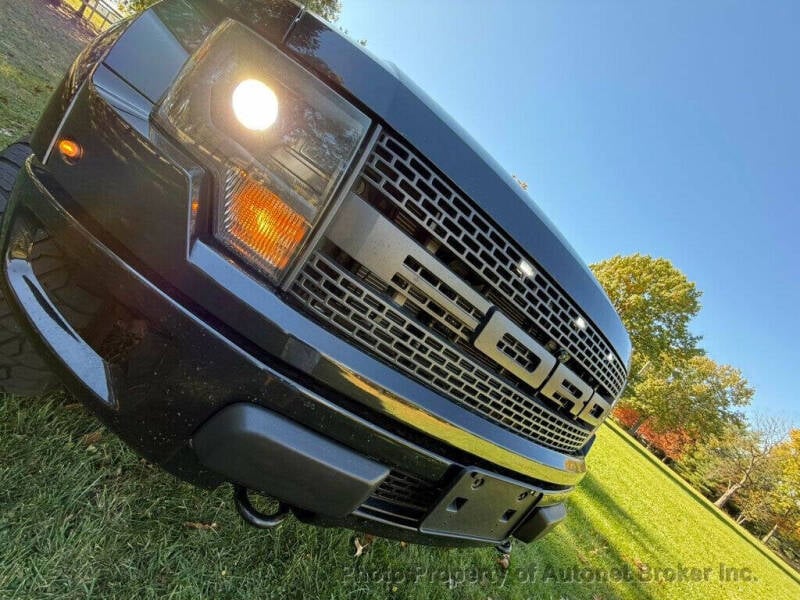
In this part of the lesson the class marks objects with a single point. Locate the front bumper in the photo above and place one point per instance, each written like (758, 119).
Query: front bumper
(155, 372)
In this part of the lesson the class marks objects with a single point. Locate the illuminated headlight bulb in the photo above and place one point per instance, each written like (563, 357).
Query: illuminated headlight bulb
(255, 105)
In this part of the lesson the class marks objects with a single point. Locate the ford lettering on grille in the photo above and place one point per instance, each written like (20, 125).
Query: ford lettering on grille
(562, 386)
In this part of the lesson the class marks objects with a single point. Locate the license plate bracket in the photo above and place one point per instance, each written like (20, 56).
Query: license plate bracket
(482, 506)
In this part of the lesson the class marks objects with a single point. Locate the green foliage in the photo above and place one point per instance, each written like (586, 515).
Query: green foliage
(714, 464)
(327, 9)
(757, 473)
(739, 460)
(134, 6)
(672, 385)
(693, 394)
(784, 499)
(656, 302)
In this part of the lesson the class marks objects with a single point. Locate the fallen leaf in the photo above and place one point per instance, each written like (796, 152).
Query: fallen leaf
(201, 526)
(640, 565)
(404, 544)
(92, 438)
(74, 406)
(362, 546)
(582, 558)
(504, 561)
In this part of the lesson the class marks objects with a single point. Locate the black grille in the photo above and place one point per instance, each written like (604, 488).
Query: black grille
(457, 228)
(382, 328)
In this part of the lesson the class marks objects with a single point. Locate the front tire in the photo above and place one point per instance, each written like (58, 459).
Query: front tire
(22, 370)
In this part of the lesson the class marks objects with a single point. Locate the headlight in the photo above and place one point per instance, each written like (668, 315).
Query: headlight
(278, 139)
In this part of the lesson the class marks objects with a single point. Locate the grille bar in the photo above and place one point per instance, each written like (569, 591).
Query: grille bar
(384, 329)
(402, 498)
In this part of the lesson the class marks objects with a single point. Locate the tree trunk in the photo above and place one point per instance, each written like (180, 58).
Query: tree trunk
(772, 531)
(723, 500)
(634, 429)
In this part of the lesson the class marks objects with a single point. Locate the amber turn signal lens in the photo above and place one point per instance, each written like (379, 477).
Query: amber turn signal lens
(263, 224)
(70, 150)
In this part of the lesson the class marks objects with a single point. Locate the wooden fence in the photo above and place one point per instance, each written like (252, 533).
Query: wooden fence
(102, 14)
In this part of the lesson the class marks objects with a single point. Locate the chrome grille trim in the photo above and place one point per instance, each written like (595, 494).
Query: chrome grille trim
(429, 201)
(342, 302)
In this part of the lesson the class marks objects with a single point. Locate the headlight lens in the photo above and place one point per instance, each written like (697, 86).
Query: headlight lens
(278, 139)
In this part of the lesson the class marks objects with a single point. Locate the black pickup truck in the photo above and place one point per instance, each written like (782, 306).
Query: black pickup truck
(262, 256)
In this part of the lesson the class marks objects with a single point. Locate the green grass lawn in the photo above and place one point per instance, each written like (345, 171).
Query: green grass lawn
(37, 44)
(81, 516)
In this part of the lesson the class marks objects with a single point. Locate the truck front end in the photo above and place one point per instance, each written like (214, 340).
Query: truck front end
(262, 257)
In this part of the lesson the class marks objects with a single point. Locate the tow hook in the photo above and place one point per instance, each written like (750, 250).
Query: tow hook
(254, 517)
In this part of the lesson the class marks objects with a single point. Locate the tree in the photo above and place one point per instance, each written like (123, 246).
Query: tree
(693, 395)
(327, 9)
(134, 6)
(784, 497)
(736, 461)
(755, 502)
(672, 445)
(656, 302)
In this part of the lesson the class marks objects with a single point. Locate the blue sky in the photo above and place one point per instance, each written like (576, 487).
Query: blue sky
(670, 128)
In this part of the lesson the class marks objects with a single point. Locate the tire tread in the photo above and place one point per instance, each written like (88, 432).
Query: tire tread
(22, 370)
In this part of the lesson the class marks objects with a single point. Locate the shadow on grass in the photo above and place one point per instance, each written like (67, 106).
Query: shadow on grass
(599, 495)
(613, 564)
(703, 501)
